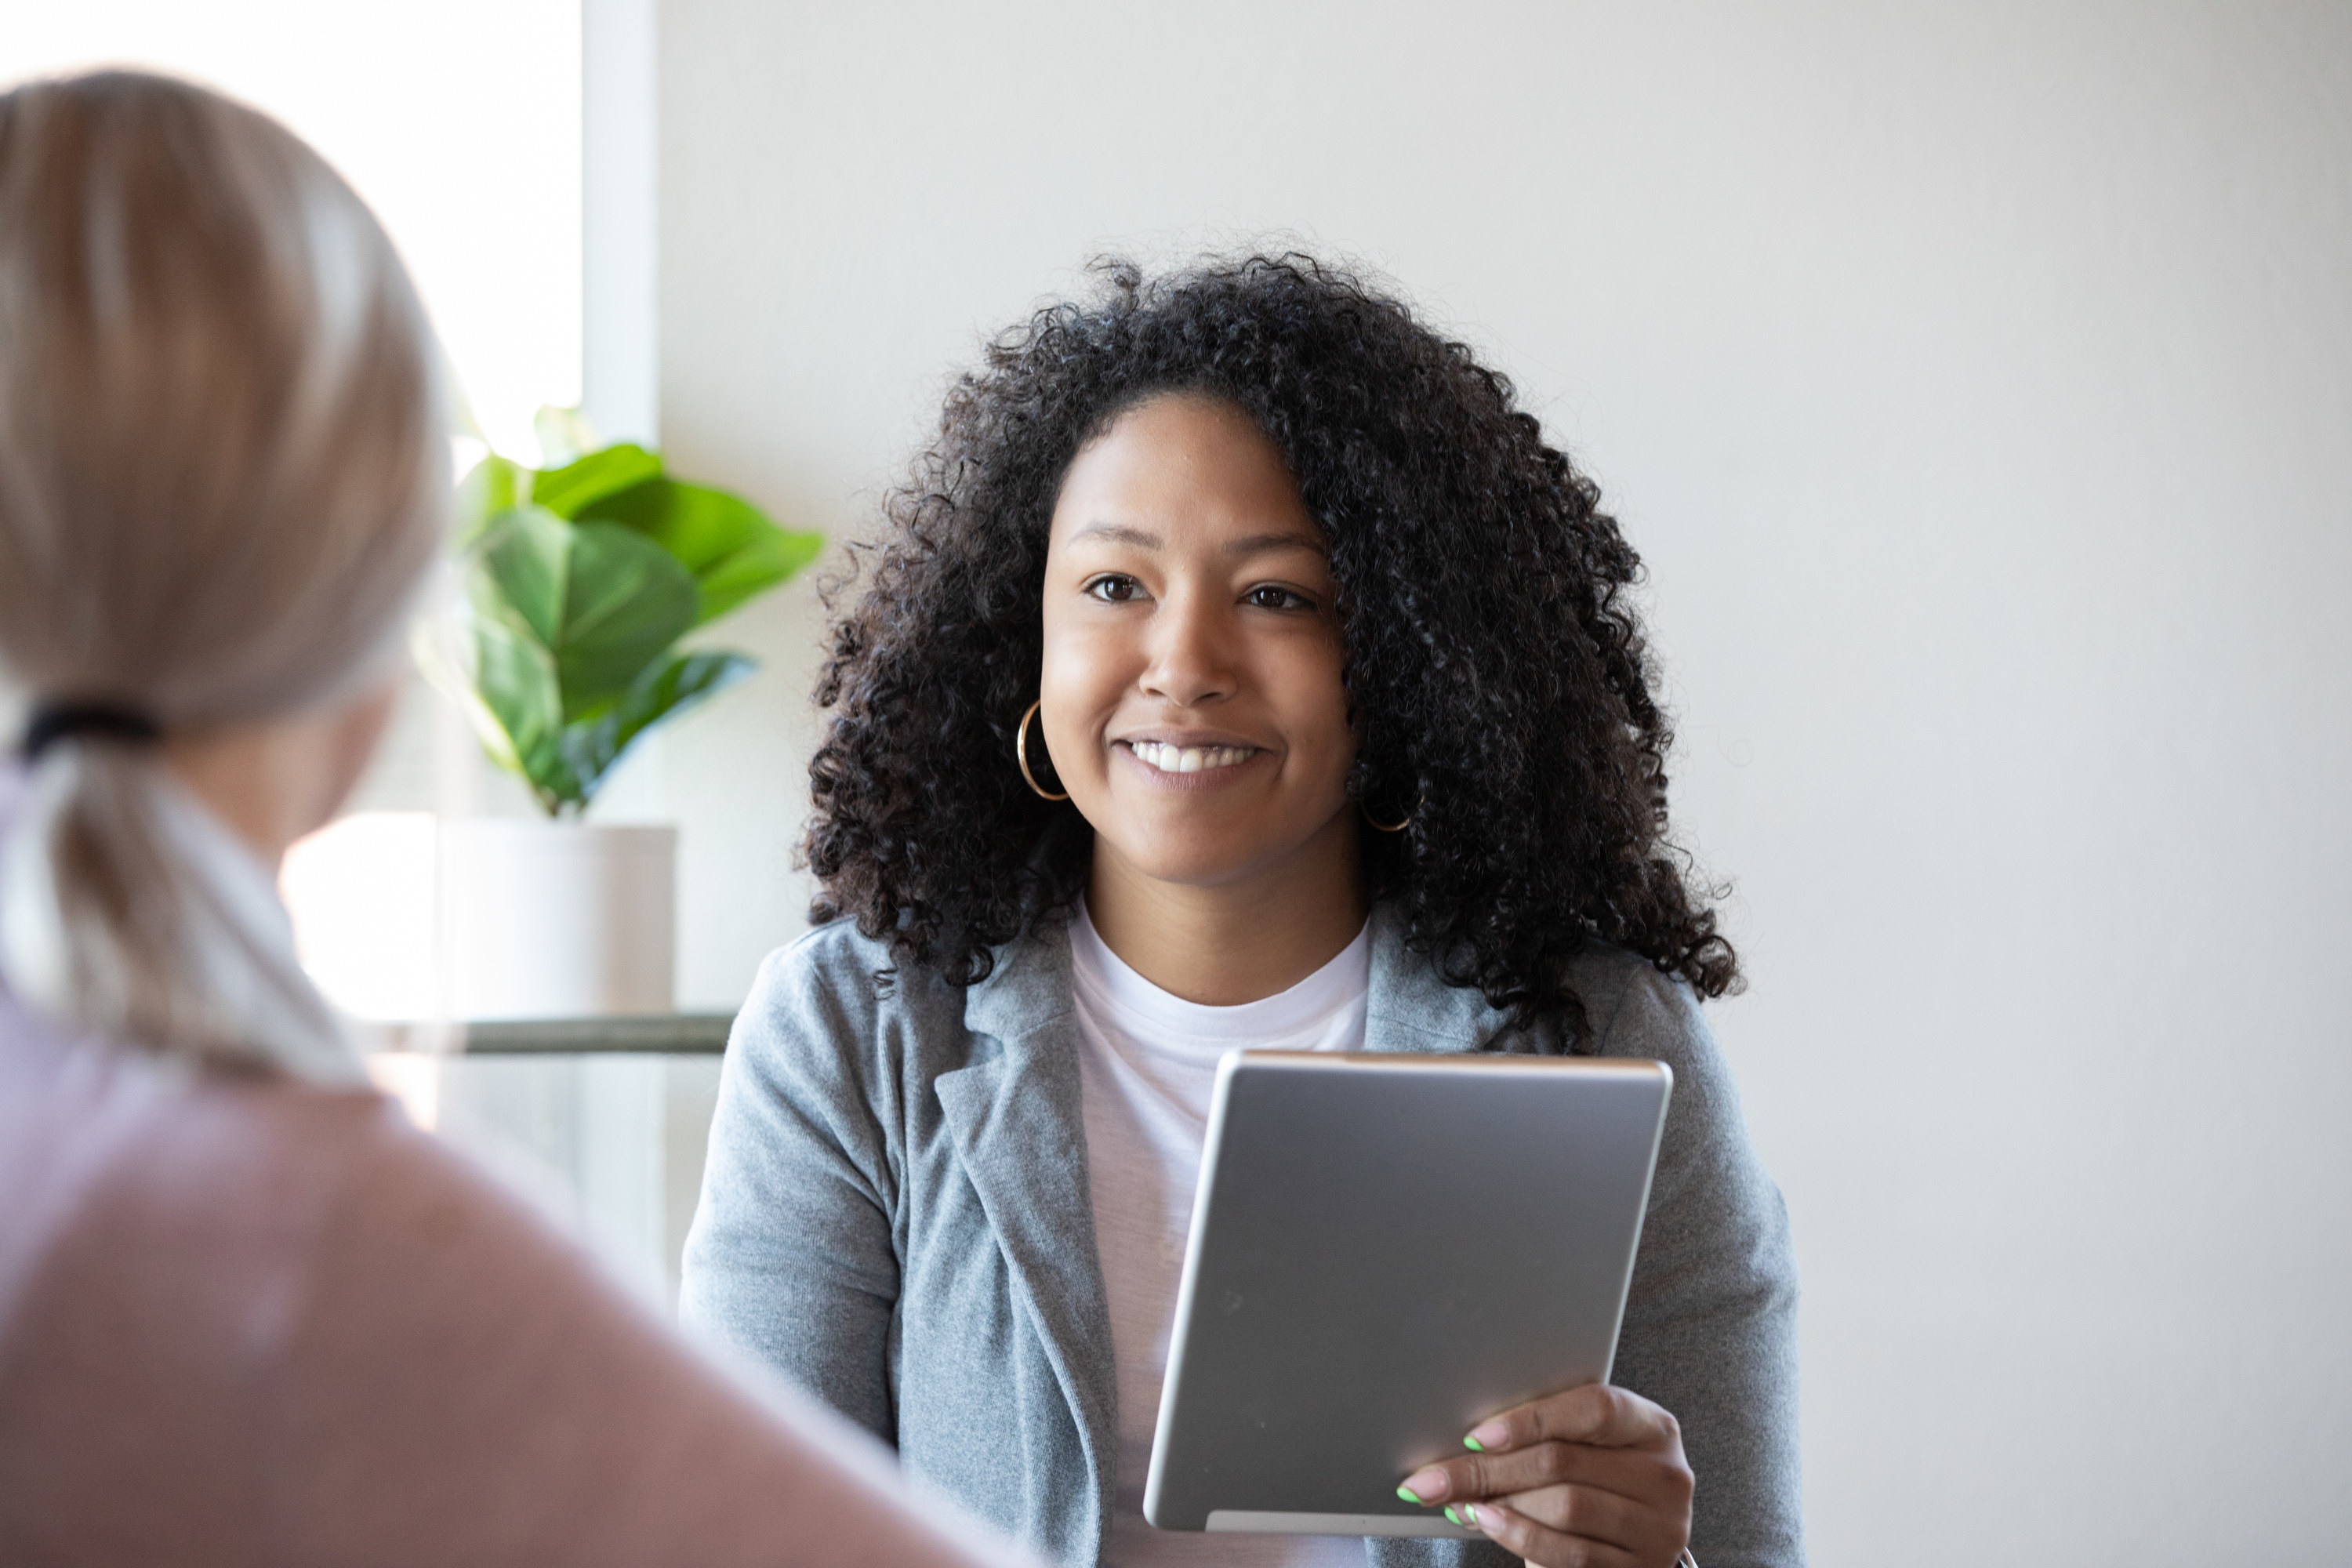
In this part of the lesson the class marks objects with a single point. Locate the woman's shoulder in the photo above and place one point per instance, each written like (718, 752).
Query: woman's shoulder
(837, 1000)
(836, 962)
(1638, 1011)
(835, 970)
(1633, 1007)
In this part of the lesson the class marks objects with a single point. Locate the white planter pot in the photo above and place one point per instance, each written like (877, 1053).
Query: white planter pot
(557, 920)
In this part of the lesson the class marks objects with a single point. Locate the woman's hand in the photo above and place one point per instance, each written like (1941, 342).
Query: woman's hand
(1590, 1479)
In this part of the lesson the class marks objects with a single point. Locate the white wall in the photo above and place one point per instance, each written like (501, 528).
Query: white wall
(1977, 381)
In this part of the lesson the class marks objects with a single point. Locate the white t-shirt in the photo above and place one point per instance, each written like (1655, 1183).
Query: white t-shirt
(1147, 1065)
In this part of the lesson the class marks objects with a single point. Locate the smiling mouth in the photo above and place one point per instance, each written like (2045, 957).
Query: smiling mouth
(1167, 759)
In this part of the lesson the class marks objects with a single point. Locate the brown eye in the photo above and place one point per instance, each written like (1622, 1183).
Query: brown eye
(1270, 598)
(1115, 589)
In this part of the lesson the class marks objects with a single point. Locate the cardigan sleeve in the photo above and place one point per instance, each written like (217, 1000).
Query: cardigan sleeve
(793, 1255)
(1710, 1328)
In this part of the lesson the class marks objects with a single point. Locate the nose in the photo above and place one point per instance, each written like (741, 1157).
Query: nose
(1192, 652)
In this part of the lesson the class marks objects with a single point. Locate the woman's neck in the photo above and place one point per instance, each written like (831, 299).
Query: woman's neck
(1235, 942)
(270, 780)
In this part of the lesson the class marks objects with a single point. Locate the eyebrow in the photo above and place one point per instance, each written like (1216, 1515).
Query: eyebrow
(1239, 550)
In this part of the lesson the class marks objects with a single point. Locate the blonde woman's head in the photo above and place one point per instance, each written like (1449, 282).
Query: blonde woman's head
(223, 474)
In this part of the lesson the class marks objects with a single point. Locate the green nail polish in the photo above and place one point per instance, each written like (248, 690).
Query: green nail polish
(1475, 1446)
(1407, 1496)
(1452, 1518)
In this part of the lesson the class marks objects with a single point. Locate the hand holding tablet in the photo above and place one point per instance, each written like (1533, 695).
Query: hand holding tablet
(1593, 1476)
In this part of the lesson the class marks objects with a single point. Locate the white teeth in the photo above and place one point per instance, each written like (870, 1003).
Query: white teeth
(1187, 759)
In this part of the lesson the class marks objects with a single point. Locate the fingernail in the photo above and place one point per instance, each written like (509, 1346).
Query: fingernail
(1487, 1521)
(1423, 1487)
(1453, 1518)
(1486, 1435)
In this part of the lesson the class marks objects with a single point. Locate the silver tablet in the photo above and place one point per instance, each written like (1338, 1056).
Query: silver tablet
(1385, 1251)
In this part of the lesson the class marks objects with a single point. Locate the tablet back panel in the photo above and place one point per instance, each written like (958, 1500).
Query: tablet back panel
(1386, 1250)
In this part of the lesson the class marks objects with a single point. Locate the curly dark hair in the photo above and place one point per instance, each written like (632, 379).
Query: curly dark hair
(1494, 660)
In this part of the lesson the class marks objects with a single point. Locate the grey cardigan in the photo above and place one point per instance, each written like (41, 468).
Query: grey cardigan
(895, 1217)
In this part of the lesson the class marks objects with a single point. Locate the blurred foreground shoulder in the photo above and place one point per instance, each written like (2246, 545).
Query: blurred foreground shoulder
(270, 1322)
(507, 1391)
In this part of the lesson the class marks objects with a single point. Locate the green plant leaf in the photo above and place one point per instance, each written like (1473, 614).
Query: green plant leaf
(767, 561)
(568, 618)
(595, 747)
(567, 491)
(522, 560)
(489, 487)
(520, 677)
(520, 713)
(583, 578)
(735, 552)
(626, 600)
(699, 525)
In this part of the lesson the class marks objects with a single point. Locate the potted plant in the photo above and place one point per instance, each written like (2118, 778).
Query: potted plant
(582, 579)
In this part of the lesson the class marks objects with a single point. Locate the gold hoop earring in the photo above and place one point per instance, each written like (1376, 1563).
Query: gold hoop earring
(1020, 752)
(1399, 826)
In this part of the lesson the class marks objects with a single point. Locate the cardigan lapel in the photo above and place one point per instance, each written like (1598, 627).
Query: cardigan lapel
(1016, 1121)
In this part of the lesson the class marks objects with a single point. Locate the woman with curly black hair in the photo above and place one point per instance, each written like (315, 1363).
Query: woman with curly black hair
(1240, 668)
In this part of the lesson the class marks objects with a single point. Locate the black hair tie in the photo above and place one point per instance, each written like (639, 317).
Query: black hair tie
(53, 721)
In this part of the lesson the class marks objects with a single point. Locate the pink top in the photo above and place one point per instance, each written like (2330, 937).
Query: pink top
(270, 1322)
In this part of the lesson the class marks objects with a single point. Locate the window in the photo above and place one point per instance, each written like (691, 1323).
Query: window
(457, 120)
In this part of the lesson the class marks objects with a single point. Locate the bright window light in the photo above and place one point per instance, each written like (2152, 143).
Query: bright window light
(458, 123)
(361, 892)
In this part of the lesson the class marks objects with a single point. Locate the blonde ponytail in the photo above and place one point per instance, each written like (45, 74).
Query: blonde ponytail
(223, 474)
